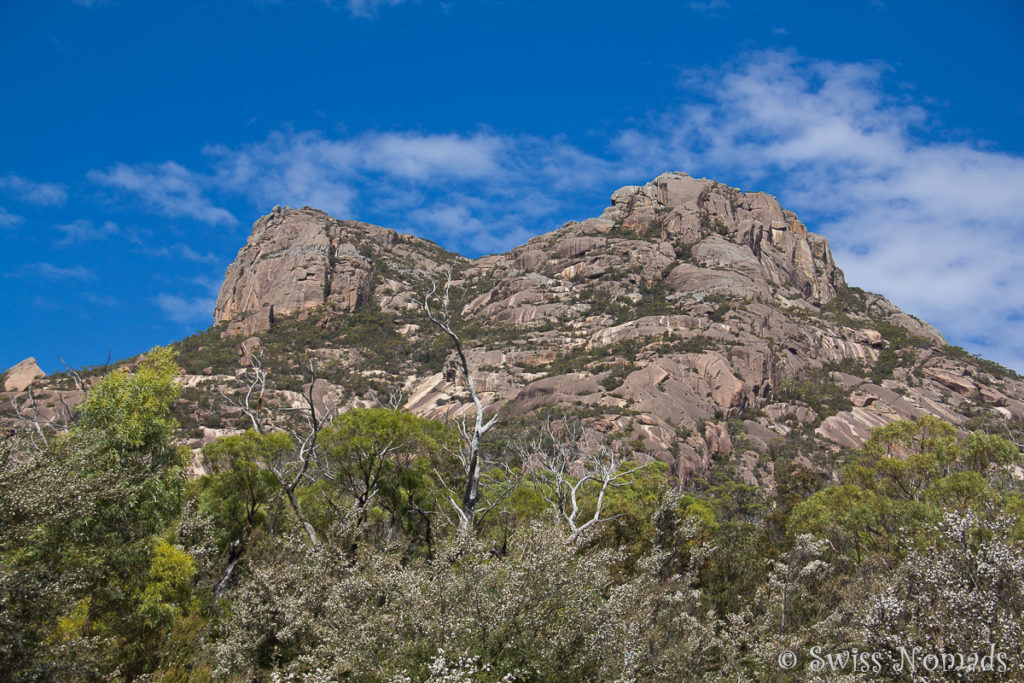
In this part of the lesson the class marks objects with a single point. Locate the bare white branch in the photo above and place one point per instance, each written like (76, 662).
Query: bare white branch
(567, 468)
(437, 306)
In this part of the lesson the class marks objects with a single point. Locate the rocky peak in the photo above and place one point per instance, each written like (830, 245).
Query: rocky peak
(21, 376)
(690, 320)
(718, 240)
(748, 232)
(298, 259)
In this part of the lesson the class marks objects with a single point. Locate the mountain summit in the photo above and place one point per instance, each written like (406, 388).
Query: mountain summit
(692, 321)
(297, 259)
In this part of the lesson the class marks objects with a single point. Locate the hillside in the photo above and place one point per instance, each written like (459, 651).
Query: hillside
(711, 460)
(692, 321)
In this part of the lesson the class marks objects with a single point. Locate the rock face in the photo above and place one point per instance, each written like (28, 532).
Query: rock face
(20, 377)
(741, 245)
(749, 235)
(299, 259)
(691, 321)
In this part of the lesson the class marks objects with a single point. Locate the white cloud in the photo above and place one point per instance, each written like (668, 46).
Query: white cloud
(168, 187)
(307, 167)
(211, 285)
(466, 223)
(454, 219)
(84, 231)
(8, 219)
(298, 169)
(191, 310)
(367, 8)
(47, 194)
(186, 310)
(479, 190)
(937, 227)
(48, 271)
(181, 251)
(423, 157)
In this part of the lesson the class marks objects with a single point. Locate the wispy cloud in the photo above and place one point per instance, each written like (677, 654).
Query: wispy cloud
(290, 168)
(469, 222)
(47, 194)
(210, 284)
(187, 310)
(421, 157)
(168, 187)
(480, 191)
(84, 230)
(309, 165)
(367, 8)
(712, 7)
(8, 219)
(48, 271)
(181, 252)
(191, 310)
(102, 300)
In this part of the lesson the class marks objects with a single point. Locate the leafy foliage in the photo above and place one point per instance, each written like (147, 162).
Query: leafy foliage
(113, 568)
(241, 489)
(87, 586)
(817, 390)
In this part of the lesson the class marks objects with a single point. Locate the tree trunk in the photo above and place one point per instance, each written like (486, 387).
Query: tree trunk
(310, 531)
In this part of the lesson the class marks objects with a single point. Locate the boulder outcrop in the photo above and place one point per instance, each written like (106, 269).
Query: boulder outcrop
(21, 376)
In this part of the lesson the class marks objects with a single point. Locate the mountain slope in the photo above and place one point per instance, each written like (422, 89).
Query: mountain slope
(692, 321)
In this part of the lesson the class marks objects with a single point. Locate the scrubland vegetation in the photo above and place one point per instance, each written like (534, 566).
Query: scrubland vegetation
(341, 557)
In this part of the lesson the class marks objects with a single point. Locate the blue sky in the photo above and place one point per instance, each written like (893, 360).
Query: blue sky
(140, 139)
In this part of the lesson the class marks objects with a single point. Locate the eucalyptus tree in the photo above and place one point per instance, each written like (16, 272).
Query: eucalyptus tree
(437, 304)
(80, 557)
(293, 467)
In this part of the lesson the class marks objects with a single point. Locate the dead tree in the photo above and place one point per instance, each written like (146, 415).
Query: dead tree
(29, 414)
(566, 467)
(33, 419)
(306, 453)
(255, 377)
(437, 305)
(293, 470)
(395, 401)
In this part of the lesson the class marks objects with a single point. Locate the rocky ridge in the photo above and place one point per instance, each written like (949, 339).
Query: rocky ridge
(692, 321)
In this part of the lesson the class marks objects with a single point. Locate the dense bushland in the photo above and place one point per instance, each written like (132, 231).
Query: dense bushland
(114, 566)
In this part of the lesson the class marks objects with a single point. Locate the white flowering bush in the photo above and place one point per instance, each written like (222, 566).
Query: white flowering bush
(963, 595)
(107, 573)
